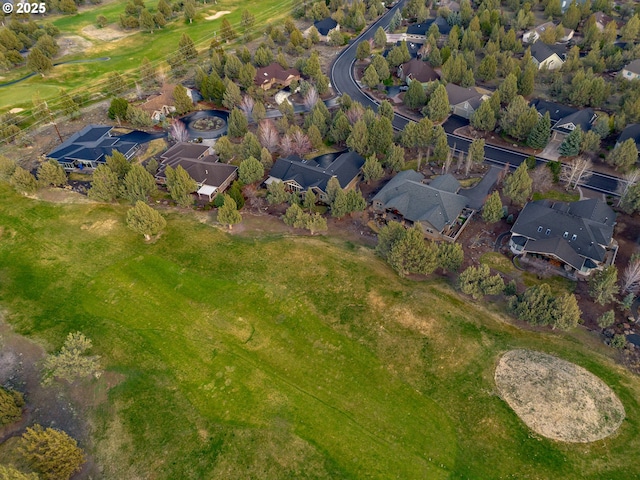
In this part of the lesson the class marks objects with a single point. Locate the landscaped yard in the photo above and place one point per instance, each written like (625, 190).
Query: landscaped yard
(284, 357)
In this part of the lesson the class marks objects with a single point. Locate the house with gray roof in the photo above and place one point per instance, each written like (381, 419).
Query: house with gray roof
(436, 206)
(544, 57)
(300, 175)
(631, 71)
(464, 101)
(417, 70)
(565, 119)
(631, 131)
(576, 236)
(89, 148)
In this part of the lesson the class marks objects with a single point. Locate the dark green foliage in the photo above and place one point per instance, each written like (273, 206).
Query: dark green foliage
(235, 192)
(180, 185)
(118, 109)
(105, 186)
(52, 453)
(538, 305)
(450, 256)
(539, 136)
(517, 186)
(138, 184)
(11, 404)
(478, 281)
(570, 146)
(492, 209)
(603, 285)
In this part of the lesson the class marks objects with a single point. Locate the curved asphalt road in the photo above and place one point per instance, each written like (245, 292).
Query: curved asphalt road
(342, 80)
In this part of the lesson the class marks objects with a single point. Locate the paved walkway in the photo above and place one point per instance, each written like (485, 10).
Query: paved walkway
(478, 194)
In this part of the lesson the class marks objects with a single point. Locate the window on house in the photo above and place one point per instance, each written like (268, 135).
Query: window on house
(565, 235)
(574, 236)
(548, 231)
(540, 228)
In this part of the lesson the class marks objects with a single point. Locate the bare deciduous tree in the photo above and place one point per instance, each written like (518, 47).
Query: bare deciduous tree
(178, 131)
(311, 98)
(576, 171)
(542, 178)
(631, 277)
(286, 145)
(246, 105)
(300, 142)
(447, 163)
(268, 135)
(355, 113)
(630, 179)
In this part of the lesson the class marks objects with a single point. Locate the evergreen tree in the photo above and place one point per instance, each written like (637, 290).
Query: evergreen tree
(143, 219)
(180, 185)
(358, 139)
(570, 146)
(363, 51)
(294, 216)
(23, 182)
(476, 151)
(450, 256)
(381, 135)
(355, 201)
(146, 21)
(52, 173)
(339, 204)
(118, 164)
(395, 158)
(380, 38)
(237, 123)
(517, 186)
(228, 213)
(189, 10)
(53, 454)
(385, 109)
(315, 223)
(603, 285)
(441, 145)
(438, 107)
(370, 78)
(332, 189)
(624, 155)
(251, 146)
(105, 185)
(484, 118)
(415, 97)
(38, 62)
(232, 97)
(541, 133)
(250, 171)
(492, 209)
(388, 236)
(276, 193)
(509, 89)
(183, 102)
(410, 254)
(372, 170)
(478, 282)
(226, 31)
(340, 128)
(138, 184)
(310, 200)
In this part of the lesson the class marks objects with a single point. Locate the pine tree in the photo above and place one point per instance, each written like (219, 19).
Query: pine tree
(105, 186)
(438, 107)
(381, 135)
(388, 236)
(339, 204)
(180, 185)
(370, 78)
(118, 164)
(23, 182)
(441, 145)
(450, 256)
(146, 21)
(539, 136)
(138, 184)
(624, 155)
(332, 189)
(250, 170)
(476, 151)
(38, 61)
(294, 216)
(410, 254)
(358, 139)
(395, 158)
(415, 96)
(183, 102)
(509, 89)
(190, 10)
(310, 200)
(53, 454)
(276, 193)
(372, 170)
(484, 118)
(228, 213)
(380, 38)
(517, 186)
(364, 50)
(492, 209)
(52, 173)
(570, 146)
(355, 201)
(603, 285)
(237, 123)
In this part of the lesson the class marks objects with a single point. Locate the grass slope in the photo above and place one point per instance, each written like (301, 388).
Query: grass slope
(277, 357)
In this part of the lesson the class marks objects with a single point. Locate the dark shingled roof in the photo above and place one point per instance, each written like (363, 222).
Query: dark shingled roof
(541, 51)
(204, 170)
(92, 143)
(274, 71)
(631, 131)
(556, 110)
(325, 25)
(458, 94)
(582, 118)
(418, 70)
(574, 232)
(311, 173)
(418, 202)
(185, 150)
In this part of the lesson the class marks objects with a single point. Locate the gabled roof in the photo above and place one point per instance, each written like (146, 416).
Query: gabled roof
(582, 118)
(556, 110)
(185, 150)
(204, 170)
(631, 131)
(413, 46)
(458, 94)
(602, 18)
(318, 171)
(446, 183)
(574, 232)
(325, 25)
(541, 51)
(418, 28)
(274, 71)
(418, 202)
(418, 70)
(633, 67)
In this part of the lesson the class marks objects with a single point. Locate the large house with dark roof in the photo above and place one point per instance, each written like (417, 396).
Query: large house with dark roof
(301, 175)
(576, 236)
(211, 176)
(417, 70)
(544, 57)
(464, 101)
(436, 206)
(275, 74)
(631, 131)
(565, 119)
(89, 148)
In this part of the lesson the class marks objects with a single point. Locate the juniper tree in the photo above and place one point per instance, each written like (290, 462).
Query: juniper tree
(23, 182)
(276, 193)
(570, 146)
(372, 170)
(603, 285)
(11, 404)
(138, 184)
(228, 213)
(539, 136)
(52, 453)
(250, 170)
(517, 186)
(492, 209)
(51, 173)
(105, 186)
(180, 185)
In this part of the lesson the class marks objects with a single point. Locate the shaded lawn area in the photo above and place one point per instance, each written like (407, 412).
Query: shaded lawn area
(283, 357)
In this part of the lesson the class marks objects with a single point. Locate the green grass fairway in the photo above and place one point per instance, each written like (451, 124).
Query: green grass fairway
(274, 357)
(126, 53)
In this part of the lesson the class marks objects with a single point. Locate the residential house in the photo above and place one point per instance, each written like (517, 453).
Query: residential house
(631, 131)
(162, 105)
(211, 176)
(417, 70)
(464, 101)
(602, 20)
(564, 4)
(544, 57)
(325, 27)
(275, 74)
(533, 35)
(418, 32)
(632, 70)
(301, 175)
(565, 119)
(414, 47)
(437, 207)
(577, 237)
(89, 148)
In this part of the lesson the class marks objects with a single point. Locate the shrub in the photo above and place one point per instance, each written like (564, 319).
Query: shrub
(11, 403)
(606, 319)
(71, 362)
(52, 453)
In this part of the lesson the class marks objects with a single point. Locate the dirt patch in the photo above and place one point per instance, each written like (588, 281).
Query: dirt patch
(17, 109)
(70, 44)
(106, 34)
(62, 195)
(558, 399)
(102, 227)
(217, 15)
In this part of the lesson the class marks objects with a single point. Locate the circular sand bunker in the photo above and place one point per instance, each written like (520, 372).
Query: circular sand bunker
(558, 399)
